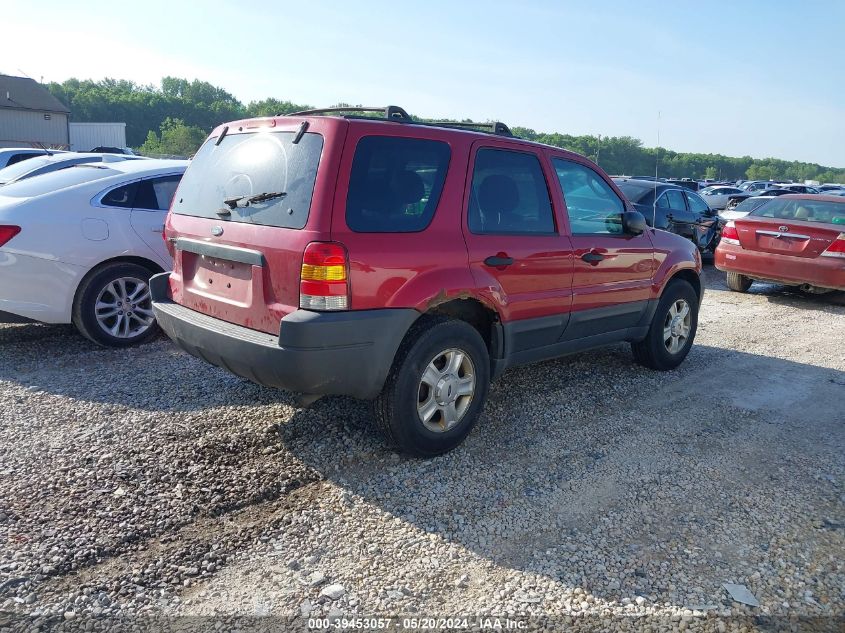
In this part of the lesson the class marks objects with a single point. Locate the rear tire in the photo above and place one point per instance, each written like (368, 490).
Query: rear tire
(672, 330)
(113, 307)
(738, 283)
(436, 388)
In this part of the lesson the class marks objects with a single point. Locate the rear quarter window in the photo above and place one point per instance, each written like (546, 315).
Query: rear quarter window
(395, 184)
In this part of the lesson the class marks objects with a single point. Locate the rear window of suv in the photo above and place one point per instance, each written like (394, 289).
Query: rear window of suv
(243, 166)
(395, 184)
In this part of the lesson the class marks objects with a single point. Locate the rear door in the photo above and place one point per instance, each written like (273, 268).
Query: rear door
(152, 200)
(678, 214)
(705, 221)
(517, 253)
(612, 270)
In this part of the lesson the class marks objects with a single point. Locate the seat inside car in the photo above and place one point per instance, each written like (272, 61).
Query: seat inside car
(803, 213)
(498, 199)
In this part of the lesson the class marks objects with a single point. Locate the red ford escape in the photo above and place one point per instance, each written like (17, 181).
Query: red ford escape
(797, 240)
(361, 253)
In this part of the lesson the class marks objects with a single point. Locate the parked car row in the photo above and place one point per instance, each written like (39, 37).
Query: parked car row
(362, 253)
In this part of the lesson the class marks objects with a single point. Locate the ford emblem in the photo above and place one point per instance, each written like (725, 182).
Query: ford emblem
(217, 231)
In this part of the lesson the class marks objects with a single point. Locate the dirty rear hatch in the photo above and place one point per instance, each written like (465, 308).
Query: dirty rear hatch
(242, 217)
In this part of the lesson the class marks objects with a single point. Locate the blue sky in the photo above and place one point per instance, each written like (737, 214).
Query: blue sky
(742, 77)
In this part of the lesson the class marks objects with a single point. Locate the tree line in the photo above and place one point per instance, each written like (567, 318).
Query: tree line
(175, 117)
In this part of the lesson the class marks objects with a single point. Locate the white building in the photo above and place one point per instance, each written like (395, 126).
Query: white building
(86, 136)
(30, 116)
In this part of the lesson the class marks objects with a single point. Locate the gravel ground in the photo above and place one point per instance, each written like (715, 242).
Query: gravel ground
(146, 484)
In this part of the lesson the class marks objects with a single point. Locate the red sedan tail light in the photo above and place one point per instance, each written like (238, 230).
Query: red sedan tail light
(837, 248)
(730, 234)
(7, 232)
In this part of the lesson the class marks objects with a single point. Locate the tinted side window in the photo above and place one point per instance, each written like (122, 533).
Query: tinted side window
(395, 184)
(509, 194)
(697, 204)
(156, 194)
(592, 206)
(675, 198)
(16, 158)
(123, 197)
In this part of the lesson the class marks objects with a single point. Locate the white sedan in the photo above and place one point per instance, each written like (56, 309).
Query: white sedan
(79, 246)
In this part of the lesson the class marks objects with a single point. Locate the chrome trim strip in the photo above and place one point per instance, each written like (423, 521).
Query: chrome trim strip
(798, 236)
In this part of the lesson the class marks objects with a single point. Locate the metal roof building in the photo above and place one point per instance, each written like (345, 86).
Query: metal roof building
(30, 116)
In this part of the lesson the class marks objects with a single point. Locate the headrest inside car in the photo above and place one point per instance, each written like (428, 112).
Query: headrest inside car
(498, 194)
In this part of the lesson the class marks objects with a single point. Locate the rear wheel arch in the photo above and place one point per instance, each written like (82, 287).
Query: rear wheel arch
(137, 323)
(479, 315)
(128, 259)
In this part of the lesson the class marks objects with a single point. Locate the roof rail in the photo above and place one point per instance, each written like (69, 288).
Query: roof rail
(494, 127)
(399, 115)
(393, 113)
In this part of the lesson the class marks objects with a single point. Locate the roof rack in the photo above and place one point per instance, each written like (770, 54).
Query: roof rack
(393, 113)
(399, 115)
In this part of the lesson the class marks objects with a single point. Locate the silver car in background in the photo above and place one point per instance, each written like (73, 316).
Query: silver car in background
(717, 196)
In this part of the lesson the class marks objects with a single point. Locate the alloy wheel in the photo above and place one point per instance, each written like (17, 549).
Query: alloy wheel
(677, 326)
(124, 308)
(446, 390)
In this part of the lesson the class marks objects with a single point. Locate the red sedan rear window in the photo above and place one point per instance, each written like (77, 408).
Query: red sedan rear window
(804, 210)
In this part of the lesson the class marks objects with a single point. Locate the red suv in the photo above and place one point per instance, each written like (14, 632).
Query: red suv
(367, 254)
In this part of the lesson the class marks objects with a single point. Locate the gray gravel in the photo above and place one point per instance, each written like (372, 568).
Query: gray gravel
(145, 482)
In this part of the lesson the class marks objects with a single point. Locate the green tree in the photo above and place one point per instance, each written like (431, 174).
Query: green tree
(176, 139)
(175, 116)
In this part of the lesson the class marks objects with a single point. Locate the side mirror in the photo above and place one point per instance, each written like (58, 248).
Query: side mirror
(634, 223)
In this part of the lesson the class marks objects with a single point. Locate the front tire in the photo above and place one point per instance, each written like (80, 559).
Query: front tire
(737, 282)
(436, 388)
(672, 330)
(113, 306)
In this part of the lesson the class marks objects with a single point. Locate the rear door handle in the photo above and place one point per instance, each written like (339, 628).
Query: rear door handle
(498, 261)
(592, 257)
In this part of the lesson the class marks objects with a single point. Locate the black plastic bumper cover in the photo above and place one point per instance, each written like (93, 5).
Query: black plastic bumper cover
(320, 353)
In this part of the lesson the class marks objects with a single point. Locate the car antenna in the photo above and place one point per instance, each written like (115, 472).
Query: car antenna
(656, 164)
(41, 145)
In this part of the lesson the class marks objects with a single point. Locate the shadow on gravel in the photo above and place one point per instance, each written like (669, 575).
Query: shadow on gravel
(830, 302)
(605, 476)
(154, 377)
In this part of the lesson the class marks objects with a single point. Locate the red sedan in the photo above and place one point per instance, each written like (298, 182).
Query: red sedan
(797, 240)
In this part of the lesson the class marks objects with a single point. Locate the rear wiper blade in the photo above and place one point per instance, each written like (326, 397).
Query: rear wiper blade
(249, 199)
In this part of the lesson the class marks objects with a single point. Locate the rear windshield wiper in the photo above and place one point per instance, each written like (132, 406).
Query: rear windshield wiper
(249, 199)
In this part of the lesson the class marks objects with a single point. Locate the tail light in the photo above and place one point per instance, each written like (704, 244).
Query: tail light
(7, 232)
(730, 234)
(836, 249)
(324, 280)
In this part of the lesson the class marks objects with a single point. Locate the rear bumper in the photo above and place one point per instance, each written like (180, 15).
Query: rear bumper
(37, 289)
(320, 353)
(823, 272)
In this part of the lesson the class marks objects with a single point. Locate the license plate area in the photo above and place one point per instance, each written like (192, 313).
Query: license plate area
(781, 243)
(221, 279)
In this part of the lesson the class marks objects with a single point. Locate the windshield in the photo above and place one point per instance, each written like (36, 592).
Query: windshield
(803, 210)
(19, 169)
(56, 180)
(232, 176)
